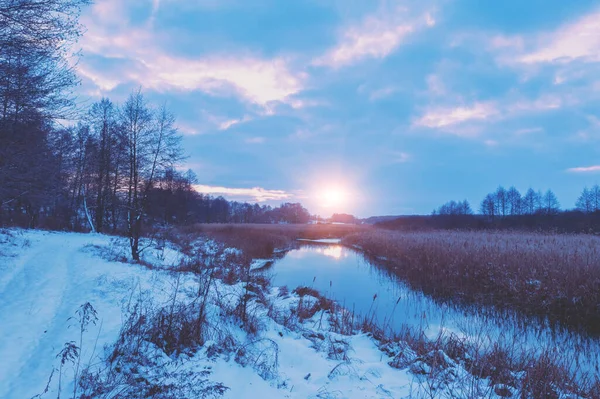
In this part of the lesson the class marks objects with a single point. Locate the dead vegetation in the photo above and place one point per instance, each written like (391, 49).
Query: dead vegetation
(262, 240)
(553, 276)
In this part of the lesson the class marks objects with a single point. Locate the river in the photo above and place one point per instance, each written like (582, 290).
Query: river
(369, 290)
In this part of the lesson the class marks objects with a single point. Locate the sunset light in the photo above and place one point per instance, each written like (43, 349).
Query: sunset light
(334, 197)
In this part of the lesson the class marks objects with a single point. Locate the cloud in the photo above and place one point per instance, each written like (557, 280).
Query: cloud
(579, 40)
(104, 82)
(186, 129)
(507, 42)
(109, 11)
(254, 78)
(225, 125)
(376, 36)
(585, 169)
(461, 118)
(257, 194)
(382, 93)
(447, 116)
(542, 103)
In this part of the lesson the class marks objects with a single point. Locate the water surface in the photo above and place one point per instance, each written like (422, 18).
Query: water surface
(367, 289)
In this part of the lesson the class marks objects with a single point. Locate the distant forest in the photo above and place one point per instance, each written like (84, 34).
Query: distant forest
(116, 165)
(508, 209)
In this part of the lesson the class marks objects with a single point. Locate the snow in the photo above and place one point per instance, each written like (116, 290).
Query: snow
(45, 277)
(41, 289)
(257, 264)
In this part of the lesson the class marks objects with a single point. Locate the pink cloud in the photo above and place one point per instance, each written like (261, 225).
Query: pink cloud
(256, 79)
(503, 42)
(459, 117)
(543, 103)
(577, 40)
(376, 36)
(447, 116)
(257, 194)
(585, 169)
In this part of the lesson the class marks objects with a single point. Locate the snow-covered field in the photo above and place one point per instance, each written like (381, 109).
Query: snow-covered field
(45, 277)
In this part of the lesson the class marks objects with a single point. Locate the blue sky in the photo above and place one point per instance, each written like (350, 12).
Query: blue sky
(400, 105)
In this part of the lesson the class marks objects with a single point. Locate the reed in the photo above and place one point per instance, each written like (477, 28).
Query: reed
(262, 240)
(547, 275)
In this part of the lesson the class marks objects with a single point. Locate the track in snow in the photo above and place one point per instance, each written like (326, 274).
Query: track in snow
(42, 288)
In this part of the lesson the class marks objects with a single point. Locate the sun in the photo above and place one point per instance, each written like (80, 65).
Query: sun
(333, 197)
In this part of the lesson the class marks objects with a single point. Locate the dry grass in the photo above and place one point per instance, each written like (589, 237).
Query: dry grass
(261, 240)
(557, 276)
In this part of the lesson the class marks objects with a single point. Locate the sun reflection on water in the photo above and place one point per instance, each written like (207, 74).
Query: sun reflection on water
(333, 251)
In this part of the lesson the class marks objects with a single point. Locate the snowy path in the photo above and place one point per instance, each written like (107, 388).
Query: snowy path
(33, 312)
(40, 290)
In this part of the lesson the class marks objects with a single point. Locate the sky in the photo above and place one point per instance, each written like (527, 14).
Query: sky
(368, 107)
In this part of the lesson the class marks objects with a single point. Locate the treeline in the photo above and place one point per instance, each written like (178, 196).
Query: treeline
(113, 169)
(502, 203)
(509, 209)
(175, 201)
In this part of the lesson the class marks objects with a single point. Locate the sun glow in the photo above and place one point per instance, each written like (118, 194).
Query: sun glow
(333, 197)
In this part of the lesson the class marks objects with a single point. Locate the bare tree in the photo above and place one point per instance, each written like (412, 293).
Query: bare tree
(36, 78)
(35, 47)
(595, 198)
(454, 208)
(501, 201)
(514, 201)
(488, 206)
(531, 202)
(102, 121)
(152, 144)
(585, 202)
(550, 203)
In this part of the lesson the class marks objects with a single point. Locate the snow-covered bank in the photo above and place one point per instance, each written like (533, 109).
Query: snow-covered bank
(45, 277)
